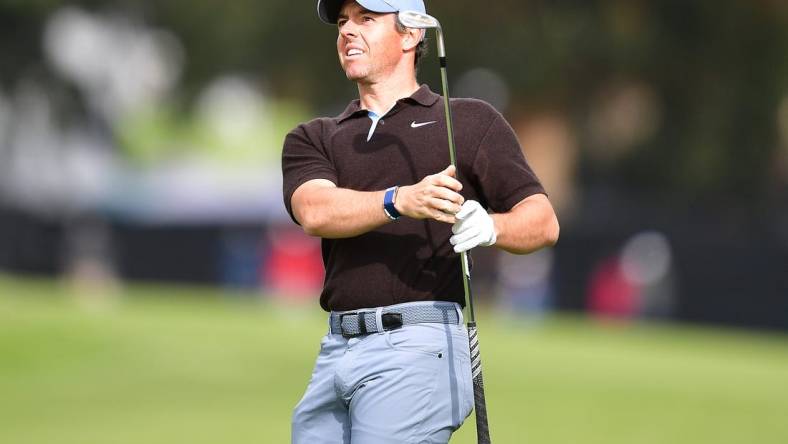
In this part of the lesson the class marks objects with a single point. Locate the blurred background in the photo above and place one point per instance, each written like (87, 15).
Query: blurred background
(150, 275)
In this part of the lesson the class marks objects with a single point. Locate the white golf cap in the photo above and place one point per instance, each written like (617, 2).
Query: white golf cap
(328, 10)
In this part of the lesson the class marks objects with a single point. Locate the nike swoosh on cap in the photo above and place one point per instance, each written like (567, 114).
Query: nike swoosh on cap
(416, 125)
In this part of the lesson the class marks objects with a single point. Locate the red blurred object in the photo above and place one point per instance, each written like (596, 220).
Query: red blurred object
(294, 268)
(610, 294)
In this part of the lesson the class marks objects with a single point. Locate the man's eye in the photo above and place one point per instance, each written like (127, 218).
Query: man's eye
(340, 23)
(368, 18)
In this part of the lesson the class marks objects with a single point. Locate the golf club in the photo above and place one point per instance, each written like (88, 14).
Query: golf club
(417, 20)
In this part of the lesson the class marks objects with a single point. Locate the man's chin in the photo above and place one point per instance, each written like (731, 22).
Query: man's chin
(355, 75)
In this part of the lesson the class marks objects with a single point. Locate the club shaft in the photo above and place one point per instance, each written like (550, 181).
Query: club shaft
(480, 403)
(464, 262)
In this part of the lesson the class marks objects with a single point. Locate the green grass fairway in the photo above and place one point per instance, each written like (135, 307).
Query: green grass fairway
(179, 365)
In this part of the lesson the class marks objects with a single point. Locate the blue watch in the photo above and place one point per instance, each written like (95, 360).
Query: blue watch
(388, 203)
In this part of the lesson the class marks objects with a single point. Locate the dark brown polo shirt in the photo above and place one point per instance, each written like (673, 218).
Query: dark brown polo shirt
(405, 260)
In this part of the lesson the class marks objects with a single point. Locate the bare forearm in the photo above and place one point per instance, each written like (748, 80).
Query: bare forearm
(333, 213)
(327, 211)
(529, 226)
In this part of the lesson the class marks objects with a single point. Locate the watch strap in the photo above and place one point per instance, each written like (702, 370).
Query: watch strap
(388, 203)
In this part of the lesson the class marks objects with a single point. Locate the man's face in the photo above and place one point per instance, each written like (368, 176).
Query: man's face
(368, 44)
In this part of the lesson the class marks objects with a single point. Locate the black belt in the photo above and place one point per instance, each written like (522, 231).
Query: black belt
(361, 322)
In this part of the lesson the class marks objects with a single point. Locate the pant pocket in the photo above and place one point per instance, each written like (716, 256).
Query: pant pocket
(425, 339)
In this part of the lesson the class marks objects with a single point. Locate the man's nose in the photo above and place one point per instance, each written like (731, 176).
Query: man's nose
(348, 29)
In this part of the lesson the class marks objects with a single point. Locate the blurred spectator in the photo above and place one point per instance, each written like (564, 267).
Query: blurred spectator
(610, 294)
(549, 144)
(89, 260)
(636, 282)
(647, 263)
(525, 282)
(294, 267)
(242, 252)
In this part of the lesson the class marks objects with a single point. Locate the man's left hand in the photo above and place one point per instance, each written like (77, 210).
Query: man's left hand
(473, 227)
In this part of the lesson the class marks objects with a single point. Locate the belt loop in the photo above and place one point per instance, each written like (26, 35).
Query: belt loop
(460, 319)
(379, 320)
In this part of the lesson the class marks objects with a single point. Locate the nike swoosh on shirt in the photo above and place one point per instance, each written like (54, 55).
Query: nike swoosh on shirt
(416, 125)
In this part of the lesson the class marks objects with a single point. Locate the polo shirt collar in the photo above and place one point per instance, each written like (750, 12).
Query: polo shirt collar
(423, 96)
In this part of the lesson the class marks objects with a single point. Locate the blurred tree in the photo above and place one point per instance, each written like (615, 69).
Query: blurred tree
(715, 72)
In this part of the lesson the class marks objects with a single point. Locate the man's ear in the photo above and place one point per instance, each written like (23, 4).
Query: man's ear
(411, 38)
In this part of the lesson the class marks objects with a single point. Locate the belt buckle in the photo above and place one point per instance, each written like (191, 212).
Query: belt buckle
(391, 321)
(362, 324)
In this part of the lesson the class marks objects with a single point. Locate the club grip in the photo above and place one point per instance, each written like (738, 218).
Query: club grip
(480, 403)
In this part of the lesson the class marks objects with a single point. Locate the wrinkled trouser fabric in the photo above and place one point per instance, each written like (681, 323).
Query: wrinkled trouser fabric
(409, 385)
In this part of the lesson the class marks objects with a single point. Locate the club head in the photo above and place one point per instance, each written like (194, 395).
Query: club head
(417, 20)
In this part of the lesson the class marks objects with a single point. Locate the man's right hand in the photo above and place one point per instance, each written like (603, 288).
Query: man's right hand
(435, 197)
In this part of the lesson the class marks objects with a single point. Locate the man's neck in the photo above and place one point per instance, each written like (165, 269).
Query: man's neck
(380, 97)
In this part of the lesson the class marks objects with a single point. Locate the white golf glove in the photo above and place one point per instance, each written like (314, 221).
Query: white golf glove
(473, 227)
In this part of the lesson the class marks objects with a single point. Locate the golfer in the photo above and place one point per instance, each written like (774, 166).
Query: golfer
(375, 184)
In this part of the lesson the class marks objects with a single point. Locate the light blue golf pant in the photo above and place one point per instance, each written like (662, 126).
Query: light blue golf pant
(408, 385)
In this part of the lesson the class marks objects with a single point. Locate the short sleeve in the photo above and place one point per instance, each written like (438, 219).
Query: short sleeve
(304, 158)
(501, 170)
